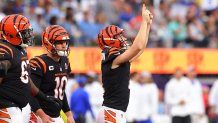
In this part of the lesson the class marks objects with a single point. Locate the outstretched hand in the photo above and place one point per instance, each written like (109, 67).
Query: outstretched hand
(146, 14)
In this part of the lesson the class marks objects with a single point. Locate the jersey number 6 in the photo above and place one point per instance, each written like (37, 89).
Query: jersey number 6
(24, 73)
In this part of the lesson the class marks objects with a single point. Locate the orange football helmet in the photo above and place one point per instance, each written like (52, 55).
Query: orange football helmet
(108, 37)
(17, 30)
(52, 35)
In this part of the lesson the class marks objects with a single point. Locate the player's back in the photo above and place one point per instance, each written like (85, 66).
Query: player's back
(14, 89)
(53, 79)
(115, 81)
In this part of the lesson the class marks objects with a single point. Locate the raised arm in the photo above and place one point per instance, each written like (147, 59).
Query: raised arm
(140, 41)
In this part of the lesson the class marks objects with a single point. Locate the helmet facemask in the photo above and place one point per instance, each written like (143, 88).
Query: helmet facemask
(64, 52)
(127, 44)
(26, 37)
(123, 41)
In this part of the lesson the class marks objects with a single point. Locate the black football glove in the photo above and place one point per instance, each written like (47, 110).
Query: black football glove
(51, 99)
(58, 103)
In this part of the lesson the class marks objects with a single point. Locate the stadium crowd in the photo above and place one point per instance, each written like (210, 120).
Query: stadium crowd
(177, 23)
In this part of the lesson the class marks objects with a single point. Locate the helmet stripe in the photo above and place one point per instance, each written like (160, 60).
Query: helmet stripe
(15, 18)
(102, 39)
(4, 24)
(107, 31)
(63, 32)
(116, 29)
(53, 34)
(26, 24)
(50, 30)
(20, 22)
(111, 30)
(43, 37)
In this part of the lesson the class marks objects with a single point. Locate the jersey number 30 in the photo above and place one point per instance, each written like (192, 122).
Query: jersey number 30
(59, 89)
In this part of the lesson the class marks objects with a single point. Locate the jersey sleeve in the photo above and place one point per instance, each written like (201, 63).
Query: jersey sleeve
(37, 67)
(111, 54)
(65, 107)
(37, 70)
(6, 52)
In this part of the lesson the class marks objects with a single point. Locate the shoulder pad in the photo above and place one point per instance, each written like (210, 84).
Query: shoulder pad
(5, 52)
(39, 63)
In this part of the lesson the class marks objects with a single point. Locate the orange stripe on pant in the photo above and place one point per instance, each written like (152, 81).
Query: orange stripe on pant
(109, 116)
(33, 118)
(3, 114)
(3, 121)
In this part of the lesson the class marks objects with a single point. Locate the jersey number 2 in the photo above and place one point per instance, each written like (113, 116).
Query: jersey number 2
(59, 89)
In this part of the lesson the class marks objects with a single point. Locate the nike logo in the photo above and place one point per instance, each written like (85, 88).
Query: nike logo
(33, 68)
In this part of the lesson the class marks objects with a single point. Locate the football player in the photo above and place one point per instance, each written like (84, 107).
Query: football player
(115, 67)
(16, 35)
(50, 73)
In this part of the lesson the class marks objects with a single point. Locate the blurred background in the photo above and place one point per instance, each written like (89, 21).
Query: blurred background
(183, 37)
